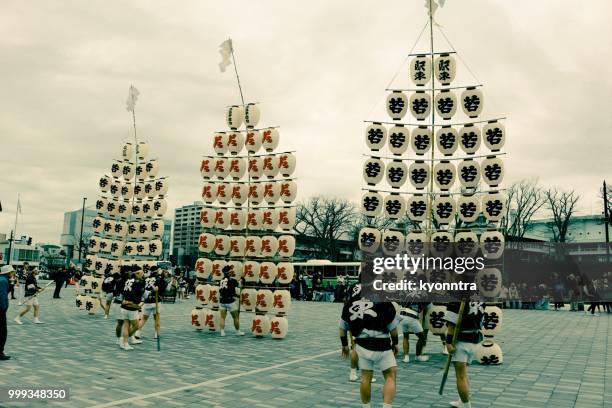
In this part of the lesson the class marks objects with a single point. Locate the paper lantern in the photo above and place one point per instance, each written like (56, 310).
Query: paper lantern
(206, 242)
(369, 239)
(117, 248)
(254, 219)
(492, 244)
(281, 302)
(206, 168)
(371, 203)
(399, 139)
(472, 102)
(141, 174)
(128, 171)
(237, 167)
(260, 325)
(447, 140)
(255, 193)
(221, 218)
(253, 141)
(492, 320)
(397, 105)
(469, 138)
(211, 318)
(220, 167)
(85, 282)
(127, 152)
(288, 191)
(234, 116)
(237, 219)
(92, 305)
(142, 248)
(235, 142)
(286, 218)
(269, 246)
(420, 70)
(144, 229)
(267, 272)
(94, 244)
(269, 139)
(237, 269)
(240, 193)
(271, 192)
(376, 136)
(445, 68)
(251, 115)
(104, 183)
(130, 248)
(223, 193)
(114, 265)
(142, 150)
(151, 189)
(417, 207)
(489, 353)
(264, 300)
(444, 209)
(286, 164)
(217, 270)
(209, 192)
(108, 227)
(98, 225)
(101, 205)
(139, 191)
(270, 218)
(155, 247)
(203, 268)
(418, 174)
(200, 294)
(255, 167)
(468, 172)
(112, 207)
(133, 230)
(160, 207)
(494, 135)
(152, 168)
(252, 246)
(197, 318)
(115, 188)
(468, 208)
(394, 206)
(416, 243)
(373, 170)
(270, 166)
(99, 266)
(492, 171)
(251, 271)
(222, 245)
(466, 243)
(397, 173)
(420, 105)
(285, 273)
(435, 315)
(489, 282)
(90, 261)
(156, 228)
(392, 242)
(80, 302)
(444, 175)
(420, 140)
(147, 209)
(278, 327)
(124, 209)
(493, 206)
(286, 246)
(446, 104)
(127, 191)
(220, 143)
(248, 298)
(441, 244)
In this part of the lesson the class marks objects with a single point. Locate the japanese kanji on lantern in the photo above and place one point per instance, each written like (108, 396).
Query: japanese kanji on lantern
(129, 225)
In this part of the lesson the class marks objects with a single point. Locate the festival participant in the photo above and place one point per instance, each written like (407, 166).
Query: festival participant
(467, 343)
(228, 300)
(154, 284)
(124, 273)
(22, 273)
(410, 323)
(352, 292)
(133, 291)
(4, 305)
(374, 328)
(31, 290)
(108, 287)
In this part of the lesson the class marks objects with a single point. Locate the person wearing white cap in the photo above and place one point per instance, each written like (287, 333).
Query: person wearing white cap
(4, 304)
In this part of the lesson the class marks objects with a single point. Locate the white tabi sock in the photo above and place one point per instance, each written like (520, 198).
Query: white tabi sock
(386, 405)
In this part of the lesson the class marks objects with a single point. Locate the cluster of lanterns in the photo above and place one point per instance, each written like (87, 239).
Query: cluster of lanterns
(249, 191)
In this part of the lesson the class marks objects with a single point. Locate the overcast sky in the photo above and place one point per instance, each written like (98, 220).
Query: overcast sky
(318, 67)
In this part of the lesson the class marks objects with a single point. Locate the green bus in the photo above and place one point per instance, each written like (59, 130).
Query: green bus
(329, 270)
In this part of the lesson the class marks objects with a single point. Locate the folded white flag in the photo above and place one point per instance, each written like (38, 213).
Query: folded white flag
(226, 53)
(132, 98)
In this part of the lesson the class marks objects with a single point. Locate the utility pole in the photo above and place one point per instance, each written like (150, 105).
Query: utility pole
(81, 235)
(606, 219)
(10, 249)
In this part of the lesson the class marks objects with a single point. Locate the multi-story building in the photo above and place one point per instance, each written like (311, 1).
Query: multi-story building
(22, 251)
(582, 228)
(187, 230)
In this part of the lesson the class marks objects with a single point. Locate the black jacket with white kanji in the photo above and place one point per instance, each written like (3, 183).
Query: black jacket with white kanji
(471, 323)
(369, 322)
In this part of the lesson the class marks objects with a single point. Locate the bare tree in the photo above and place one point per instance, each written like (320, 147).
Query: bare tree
(562, 205)
(525, 199)
(327, 220)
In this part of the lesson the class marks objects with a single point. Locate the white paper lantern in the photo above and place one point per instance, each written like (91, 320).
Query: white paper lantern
(417, 207)
(139, 191)
(90, 260)
(221, 218)
(209, 192)
(494, 135)
(124, 209)
(394, 206)
(223, 193)
(98, 225)
(393, 242)
(468, 172)
(142, 248)
(248, 298)
(468, 208)
(252, 246)
(222, 245)
(420, 140)
(94, 244)
(203, 268)
(101, 205)
(416, 243)
(255, 193)
(444, 209)
(254, 219)
(286, 218)
(144, 229)
(221, 167)
(260, 325)
(152, 168)
(371, 204)
(237, 167)
(489, 353)
(492, 244)
(141, 174)
(151, 188)
(281, 302)
(142, 150)
(128, 171)
(270, 139)
(419, 174)
(206, 243)
(469, 138)
(285, 272)
(156, 228)
(104, 183)
(445, 68)
(399, 139)
(133, 230)
(472, 102)
(286, 246)
(160, 207)
(420, 105)
(446, 104)
(108, 227)
(253, 141)
(251, 115)
(270, 166)
(115, 188)
(420, 70)
(373, 170)
(251, 271)
(220, 140)
(200, 294)
(269, 246)
(240, 193)
(112, 207)
(369, 239)
(269, 219)
(494, 206)
(492, 320)
(444, 175)
(237, 219)
(197, 318)
(286, 164)
(137, 210)
(155, 247)
(127, 191)
(397, 105)
(234, 116)
(217, 272)
(235, 142)
(100, 266)
(288, 191)
(376, 136)
(435, 315)
(278, 327)
(92, 305)
(271, 192)
(212, 317)
(447, 140)
(441, 244)
(236, 269)
(256, 167)
(206, 168)
(264, 300)
(492, 169)
(117, 248)
(237, 246)
(466, 244)
(147, 209)
(127, 152)
(397, 173)
(267, 272)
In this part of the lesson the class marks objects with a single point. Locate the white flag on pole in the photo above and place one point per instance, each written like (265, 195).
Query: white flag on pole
(132, 98)
(225, 49)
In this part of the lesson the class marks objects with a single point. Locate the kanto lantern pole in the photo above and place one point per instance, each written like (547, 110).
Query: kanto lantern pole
(81, 234)
(433, 121)
(237, 76)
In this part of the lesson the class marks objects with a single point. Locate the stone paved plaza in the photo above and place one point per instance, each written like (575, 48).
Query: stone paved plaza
(552, 359)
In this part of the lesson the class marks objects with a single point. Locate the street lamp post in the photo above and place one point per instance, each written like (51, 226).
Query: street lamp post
(81, 235)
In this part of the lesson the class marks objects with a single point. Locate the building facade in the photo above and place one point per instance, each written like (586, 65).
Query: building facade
(187, 230)
(582, 228)
(21, 252)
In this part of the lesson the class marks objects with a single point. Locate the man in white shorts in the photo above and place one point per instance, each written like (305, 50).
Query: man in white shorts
(133, 291)
(410, 323)
(154, 284)
(31, 290)
(229, 295)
